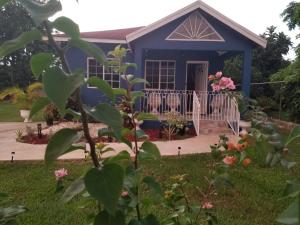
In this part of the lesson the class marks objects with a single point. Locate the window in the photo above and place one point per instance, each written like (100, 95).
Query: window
(94, 68)
(160, 74)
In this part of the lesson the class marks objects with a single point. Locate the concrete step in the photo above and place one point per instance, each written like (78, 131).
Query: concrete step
(214, 127)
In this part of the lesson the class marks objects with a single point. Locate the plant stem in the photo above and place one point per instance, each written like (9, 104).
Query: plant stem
(61, 54)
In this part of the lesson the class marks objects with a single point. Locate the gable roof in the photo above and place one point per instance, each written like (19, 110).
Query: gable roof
(190, 8)
(106, 36)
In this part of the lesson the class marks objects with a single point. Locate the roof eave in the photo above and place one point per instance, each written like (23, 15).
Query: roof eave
(206, 8)
(93, 40)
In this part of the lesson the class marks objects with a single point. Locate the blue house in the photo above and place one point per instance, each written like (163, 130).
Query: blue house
(175, 55)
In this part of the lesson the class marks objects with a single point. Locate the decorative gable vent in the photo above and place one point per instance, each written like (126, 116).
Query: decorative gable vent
(195, 28)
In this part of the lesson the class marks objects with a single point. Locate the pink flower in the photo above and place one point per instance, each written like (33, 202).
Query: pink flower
(207, 205)
(216, 87)
(219, 74)
(124, 193)
(229, 160)
(59, 174)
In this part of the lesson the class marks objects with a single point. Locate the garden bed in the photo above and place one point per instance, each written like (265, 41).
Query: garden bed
(153, 134)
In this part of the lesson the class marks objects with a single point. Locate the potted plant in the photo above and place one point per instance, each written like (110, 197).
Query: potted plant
(23, 99)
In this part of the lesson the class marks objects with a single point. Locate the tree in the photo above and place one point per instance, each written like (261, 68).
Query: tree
(266, 61)
(291, 15)
(14, 68)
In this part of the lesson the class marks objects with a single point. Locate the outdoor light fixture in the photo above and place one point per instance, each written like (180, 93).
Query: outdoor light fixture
(39, 130)
(179, 148)
(12, 156)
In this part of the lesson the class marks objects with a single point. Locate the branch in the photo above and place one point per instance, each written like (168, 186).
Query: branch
(61, 55)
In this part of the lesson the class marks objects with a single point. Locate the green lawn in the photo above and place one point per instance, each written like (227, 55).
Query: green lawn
(10, 113)
(253, 200)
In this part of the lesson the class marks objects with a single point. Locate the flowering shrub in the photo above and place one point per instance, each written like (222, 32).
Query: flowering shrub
(221, 83)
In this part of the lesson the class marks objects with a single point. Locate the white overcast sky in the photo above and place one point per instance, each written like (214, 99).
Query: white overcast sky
(94, 15)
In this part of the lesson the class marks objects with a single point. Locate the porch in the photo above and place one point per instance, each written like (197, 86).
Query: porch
(200, 107)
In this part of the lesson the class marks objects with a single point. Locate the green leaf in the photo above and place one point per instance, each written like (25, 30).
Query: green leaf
(76, 115)
(153, 184)
(59, 85)
(138, 81)
(121, 157)
(293, 135)
(41, 11)
(276, 159)
(67, 26)
(60, 143)
(105, 185)
(149, 151)
(104, 218)
(292, 188)
(3, 2)
(103, 86)
(20, 42)
(107, 114)
(120, 91)
(146, 116)
(141, 134)
(291, 215)
(89, 48)
(150, 220)
(40, 62)
(38, 105)
(74, 189)
(287, 164)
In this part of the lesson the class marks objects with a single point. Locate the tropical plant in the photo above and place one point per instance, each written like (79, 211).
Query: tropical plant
(23, 98)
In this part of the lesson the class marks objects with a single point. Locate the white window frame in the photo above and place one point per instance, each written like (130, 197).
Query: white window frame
(159, 73)
(88, 72)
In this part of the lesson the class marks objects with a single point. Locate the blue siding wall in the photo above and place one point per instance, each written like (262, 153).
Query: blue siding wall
(78, 59)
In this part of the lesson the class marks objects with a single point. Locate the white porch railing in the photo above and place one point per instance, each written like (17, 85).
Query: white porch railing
(196, 112)
(195, 106)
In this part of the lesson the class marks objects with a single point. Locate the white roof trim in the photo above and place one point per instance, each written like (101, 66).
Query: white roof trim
(94, 40)
(206, 8)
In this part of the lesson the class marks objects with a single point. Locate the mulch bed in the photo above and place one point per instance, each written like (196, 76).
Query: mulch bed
(153, 134)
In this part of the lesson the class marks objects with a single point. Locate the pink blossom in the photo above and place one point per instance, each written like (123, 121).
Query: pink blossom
(124, 193)
(216, 87)
(207, 205)
(59, 174)
(219, 74)
(229, 160)
(231, 86)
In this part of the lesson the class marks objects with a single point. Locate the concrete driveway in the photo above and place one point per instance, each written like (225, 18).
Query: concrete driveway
(8, 144)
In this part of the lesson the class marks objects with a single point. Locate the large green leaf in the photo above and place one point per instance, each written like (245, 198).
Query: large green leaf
(20, 42)
(89, 49)
(74, 189)
(41, 11)
(107, 114)
(67, 26)
(291, 215)
(293, 135)
(104, 218)
(59, 85)
(3, 2)
(60, 143)
(138, 81)
(149, 151)
(40, 62)
(103, 86)
(120, 91)
(153, 184)
(38, 105)
(105, 185)
(122, 157)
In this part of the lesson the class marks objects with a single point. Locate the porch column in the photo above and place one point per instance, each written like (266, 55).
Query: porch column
(247, 64)
(138, 60)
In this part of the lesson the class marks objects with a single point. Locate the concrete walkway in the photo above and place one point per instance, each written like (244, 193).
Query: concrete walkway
(8, 144)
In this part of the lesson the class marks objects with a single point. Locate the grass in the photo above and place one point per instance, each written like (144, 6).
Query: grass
(10, 113)
(253, 200)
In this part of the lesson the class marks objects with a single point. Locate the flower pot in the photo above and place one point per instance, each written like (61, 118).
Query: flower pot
(24, 113)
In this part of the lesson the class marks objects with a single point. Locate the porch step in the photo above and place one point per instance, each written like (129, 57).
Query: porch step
(214, 127)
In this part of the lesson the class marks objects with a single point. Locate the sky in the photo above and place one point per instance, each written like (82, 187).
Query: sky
(95, 15)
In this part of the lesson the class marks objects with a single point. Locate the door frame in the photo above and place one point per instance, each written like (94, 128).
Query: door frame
(196, 62)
